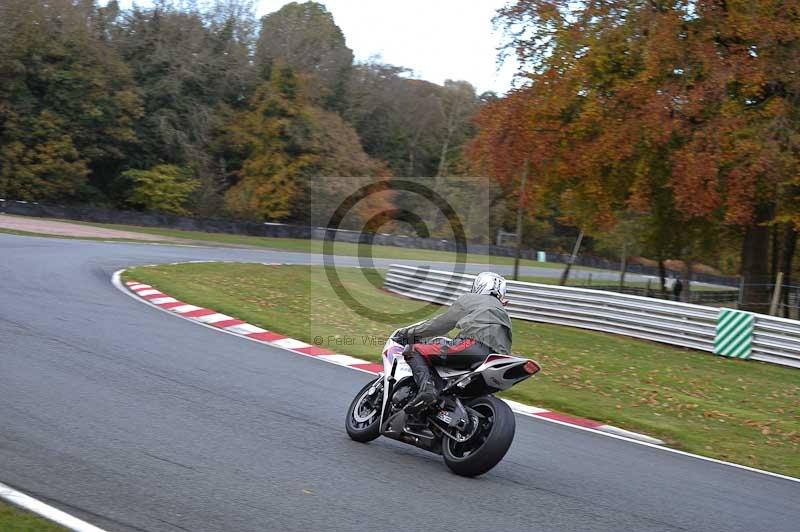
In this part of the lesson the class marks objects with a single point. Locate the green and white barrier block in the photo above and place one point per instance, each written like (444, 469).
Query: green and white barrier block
(734, 333)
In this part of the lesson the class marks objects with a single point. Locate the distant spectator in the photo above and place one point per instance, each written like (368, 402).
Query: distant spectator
(677, 288)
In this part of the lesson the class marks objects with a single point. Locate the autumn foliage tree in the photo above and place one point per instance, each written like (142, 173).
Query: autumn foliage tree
(270, 139)
(278, 147)
(682, 110)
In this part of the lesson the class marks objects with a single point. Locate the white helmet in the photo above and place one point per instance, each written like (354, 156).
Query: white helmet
(489, 283)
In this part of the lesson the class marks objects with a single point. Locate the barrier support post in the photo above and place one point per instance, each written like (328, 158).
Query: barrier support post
(520, 205)
(776, 295)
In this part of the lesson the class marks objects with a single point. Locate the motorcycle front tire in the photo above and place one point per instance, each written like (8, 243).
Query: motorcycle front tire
(362, 432)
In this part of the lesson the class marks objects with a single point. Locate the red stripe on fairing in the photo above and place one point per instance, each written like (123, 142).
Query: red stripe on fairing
(374, 368)
(172, 305)
(588, 423)
(198, 313)
(267, 336)
(227, 323)
(314, 350)
(154, 296)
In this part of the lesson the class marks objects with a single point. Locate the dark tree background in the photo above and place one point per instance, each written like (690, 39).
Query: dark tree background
(668, 129)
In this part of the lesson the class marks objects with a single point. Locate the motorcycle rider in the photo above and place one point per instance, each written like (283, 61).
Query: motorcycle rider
(484, 328)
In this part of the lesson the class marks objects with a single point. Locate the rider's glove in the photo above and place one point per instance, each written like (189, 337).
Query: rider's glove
(400, 337)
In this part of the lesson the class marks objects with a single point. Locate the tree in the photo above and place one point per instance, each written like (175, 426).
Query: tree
(683, 110)
(189, 64)
(372, 110)
(271, 138)
(340, 168)
(458, 105)
(418, 128)
(38, 160)
(88, 92)
(281, 144)
(515, 137)
(163, 188)
(67, 101)
(306, 38)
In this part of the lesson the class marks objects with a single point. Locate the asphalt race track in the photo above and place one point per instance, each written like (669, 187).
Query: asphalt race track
(137, 421)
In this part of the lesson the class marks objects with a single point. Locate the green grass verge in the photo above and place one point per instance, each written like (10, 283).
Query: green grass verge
(13, 519)
(742, 411)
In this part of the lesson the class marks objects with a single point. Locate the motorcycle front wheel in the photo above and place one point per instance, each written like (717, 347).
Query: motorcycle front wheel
(364, 415)
(491, 435)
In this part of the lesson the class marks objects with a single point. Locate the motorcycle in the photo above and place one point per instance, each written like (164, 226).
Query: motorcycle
(468, 426)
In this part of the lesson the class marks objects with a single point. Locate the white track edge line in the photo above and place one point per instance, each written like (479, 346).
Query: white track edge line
(36, 506)
(115, 279)
(630, 434)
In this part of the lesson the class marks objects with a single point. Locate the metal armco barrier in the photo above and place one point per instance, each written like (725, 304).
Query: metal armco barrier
(775, 340)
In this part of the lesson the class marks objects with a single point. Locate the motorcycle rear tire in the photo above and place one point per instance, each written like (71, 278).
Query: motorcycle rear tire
(493, 448)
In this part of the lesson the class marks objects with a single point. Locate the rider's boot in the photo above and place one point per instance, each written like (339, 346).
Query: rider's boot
(427, 384)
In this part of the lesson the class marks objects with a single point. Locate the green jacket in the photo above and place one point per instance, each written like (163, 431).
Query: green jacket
(477, 316)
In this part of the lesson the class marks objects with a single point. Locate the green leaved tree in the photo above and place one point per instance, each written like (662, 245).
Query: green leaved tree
(67, 102)
(38, 159)
(306, 38)
(163, 188)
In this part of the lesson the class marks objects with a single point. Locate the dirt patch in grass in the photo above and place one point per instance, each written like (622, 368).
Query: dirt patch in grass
(45, 226)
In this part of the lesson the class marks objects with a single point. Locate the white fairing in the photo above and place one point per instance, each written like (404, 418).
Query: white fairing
(494, 368)
(392, 351)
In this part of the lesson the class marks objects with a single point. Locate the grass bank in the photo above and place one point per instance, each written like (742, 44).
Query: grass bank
(12, 519)
(742, 411)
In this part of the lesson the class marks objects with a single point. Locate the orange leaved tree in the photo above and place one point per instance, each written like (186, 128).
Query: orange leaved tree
(684, 110)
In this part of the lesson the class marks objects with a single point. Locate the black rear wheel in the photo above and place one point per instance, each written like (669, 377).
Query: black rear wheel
(364, 415)
(485, 442)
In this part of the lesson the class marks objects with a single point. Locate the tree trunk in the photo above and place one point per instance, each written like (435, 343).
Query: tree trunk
(755, 266)
(520, 207)
(662, 277)
(789, 247)
(774, 252)
(686, 293)
(568, 267)
(443, 155)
